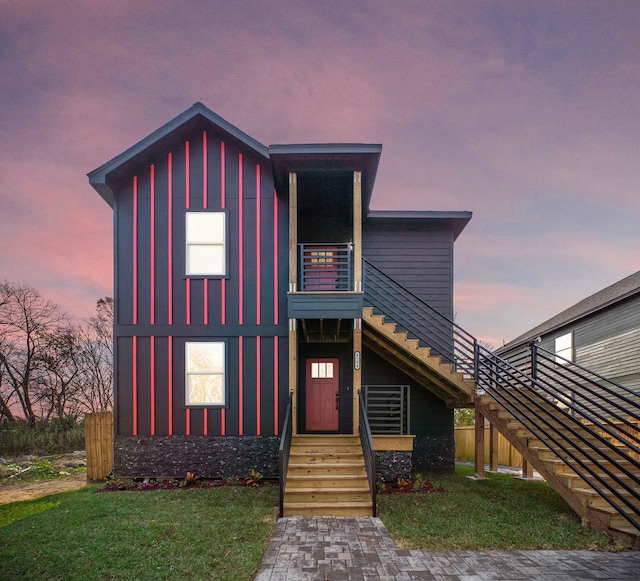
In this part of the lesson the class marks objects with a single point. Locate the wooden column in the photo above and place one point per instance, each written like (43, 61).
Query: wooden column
(527, 470)
(357, 230)
(357, 372)
(493, 448)
(293, 374)
(293, 231)
(293, 279)
(479, 446)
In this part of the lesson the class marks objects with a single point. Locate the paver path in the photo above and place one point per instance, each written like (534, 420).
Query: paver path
(361, 549)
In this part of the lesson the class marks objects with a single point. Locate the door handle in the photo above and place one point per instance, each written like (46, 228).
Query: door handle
(337, 400)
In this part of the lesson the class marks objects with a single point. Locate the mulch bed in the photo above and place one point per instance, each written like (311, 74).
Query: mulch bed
(136, 484)
(414, 485)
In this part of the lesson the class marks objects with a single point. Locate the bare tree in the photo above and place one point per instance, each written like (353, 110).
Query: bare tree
(96, 340)
(26, 323)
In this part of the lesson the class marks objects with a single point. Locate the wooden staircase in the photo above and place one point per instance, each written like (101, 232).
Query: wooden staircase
(429, 370)
(327, 477)
(564, 473)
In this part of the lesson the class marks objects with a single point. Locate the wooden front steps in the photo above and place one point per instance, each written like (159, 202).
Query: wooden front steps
(566, 476)
(429, 370)
(327, 477)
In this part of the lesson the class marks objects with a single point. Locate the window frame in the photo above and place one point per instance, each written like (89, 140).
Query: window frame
(224, 244)
(225, 382)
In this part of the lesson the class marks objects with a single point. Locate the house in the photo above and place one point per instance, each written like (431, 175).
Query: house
(600, 333)
(245, 272)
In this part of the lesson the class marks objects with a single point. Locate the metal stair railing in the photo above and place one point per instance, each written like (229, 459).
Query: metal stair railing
(284, 451)
(533, 386)
(411, 313)
(368, 450)
(567, 430)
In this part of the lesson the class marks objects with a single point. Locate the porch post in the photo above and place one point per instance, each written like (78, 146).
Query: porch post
(357, 372)
(493, 449)
(293, 279)
(479, 445)
(357, 231)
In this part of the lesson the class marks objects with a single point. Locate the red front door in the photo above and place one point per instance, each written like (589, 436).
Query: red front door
(322, 395)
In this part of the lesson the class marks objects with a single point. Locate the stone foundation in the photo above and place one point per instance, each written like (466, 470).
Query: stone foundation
(210, 457)
(435, 453)
(393, 464)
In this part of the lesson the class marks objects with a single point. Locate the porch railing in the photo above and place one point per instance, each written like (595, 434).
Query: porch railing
(283, 452)
(368, 450)
(388, 408)
(325, 267)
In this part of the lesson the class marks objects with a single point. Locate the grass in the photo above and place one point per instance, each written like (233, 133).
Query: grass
(498, 513)
(174, 534)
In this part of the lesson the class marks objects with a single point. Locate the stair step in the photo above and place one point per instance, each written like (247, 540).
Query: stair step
(315, 449)
(594, 500)
(561, 467)
(326, 480)
(576, 481)
(326, 495)
(328, 508)
(297, 458)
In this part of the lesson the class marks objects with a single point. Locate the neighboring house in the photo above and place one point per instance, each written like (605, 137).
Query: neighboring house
(601, 333)
(239, 279)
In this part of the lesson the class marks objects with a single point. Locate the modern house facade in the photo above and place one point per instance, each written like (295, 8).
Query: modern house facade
(241, 284)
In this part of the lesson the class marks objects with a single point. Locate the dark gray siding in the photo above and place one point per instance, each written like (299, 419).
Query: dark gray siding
(421, 260)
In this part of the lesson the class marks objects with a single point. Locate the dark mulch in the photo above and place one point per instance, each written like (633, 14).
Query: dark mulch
(137, 484)
(402, 486)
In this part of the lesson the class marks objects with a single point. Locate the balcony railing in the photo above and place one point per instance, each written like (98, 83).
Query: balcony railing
(325, 267)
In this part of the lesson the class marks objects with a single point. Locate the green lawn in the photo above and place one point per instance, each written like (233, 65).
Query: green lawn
(217, 533)
(498, 513)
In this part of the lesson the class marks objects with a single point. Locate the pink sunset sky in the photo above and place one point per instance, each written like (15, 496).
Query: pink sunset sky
(526, 113)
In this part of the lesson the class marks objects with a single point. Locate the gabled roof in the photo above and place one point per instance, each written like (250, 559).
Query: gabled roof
(103, 177)
(456, 220)
(309, 157)
(603, 299)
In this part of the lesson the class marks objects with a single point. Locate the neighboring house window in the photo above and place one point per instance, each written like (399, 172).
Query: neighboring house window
(206, 235)
(205, 373)
(564, 348)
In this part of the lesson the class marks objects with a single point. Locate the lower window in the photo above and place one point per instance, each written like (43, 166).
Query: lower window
(205, 373)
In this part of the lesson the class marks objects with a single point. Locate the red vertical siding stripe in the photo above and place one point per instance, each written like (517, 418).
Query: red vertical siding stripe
(135, 249)
(188, 293)
(152, 376)
(275, 387)
(240, 386)
(188, 422)
(170, 382)
(187, 176)
(134, 384)
(204, 170)
(170, 239)
(258, 386)
(206, 301)
(223, 421)
(152, 236)
(206, 421)
(240, 240)
(275, 259)
(258, 220)
(223, 282)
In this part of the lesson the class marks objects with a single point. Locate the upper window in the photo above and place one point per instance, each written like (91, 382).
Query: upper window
(206, 253)
(205, 373)
(564, 348)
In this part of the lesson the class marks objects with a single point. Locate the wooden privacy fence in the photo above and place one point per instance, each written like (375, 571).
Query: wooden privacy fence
(465, 441)
(98, 438)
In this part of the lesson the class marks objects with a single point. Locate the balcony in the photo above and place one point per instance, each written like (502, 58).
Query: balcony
(325, 283)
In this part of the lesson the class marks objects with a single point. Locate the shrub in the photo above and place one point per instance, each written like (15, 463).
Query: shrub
(45, 437)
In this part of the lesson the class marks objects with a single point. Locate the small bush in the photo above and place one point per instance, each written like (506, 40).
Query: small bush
(46, 437)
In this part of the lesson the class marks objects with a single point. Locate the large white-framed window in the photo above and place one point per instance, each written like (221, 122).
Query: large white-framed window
(564, 348)
(205, 367)
(206, 243)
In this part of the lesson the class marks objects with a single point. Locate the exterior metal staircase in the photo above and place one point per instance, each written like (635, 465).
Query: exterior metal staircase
(577, 428)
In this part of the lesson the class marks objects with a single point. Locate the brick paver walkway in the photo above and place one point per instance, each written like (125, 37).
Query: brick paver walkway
(361, 549)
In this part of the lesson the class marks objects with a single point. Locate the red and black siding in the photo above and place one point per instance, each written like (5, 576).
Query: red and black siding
(159, 308)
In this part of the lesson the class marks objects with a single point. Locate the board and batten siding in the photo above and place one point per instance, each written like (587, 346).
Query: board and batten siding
(419, 259)
(159, 308)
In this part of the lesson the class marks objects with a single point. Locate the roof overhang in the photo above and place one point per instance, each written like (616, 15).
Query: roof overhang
(326, 157)
(197, 116)
(452, 220)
